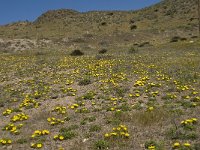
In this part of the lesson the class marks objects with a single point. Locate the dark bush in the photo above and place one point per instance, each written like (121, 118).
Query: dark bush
(175, 39)
(103, 51)
(103, 23)
(110, 13)
(178, 38)
(144, 44)
(133, 27)
(38, 26)
(76, 53)
(183, 39)
(194, 37)
(156, 10)
(191, 19)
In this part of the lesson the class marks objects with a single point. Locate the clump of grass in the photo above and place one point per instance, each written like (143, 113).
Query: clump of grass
(84, 81)
(125, 107)
(89, 95)
(68, 134)
(101, 144)
(132, 50)
(148, 118)
(113, 121)
(181, 134)
(95, 128)
(91, 119)
(70, 128)
(22, 141)
(83, 122)
(196, 146)
(120, 91)
(88, 119)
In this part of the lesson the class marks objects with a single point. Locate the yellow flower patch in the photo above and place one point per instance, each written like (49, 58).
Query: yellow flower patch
(119, 131)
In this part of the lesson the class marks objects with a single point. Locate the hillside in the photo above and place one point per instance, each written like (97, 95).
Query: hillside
(97, 29)
(102, 80)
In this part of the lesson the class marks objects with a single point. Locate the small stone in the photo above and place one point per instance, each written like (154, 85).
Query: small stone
(84, 140)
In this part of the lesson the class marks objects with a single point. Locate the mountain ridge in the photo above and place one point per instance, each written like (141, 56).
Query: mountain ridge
(161, 22)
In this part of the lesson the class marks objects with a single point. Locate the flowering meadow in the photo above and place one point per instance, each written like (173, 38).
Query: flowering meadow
(147, 100)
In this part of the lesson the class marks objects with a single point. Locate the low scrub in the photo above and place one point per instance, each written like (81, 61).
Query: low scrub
(76, 53)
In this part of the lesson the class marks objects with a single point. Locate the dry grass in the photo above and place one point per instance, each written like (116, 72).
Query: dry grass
(150, 92)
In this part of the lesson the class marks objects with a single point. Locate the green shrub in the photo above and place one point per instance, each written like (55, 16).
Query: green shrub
(68, 134)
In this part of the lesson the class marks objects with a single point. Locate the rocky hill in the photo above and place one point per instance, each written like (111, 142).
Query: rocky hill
(155, 24)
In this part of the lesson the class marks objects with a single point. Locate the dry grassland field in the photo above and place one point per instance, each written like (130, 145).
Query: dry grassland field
(148, 99)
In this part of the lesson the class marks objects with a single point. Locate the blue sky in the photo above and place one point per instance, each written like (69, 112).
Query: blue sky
(19, 10)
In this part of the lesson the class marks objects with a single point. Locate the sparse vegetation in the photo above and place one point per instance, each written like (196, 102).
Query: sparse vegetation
(125, 95)
(138, 96)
